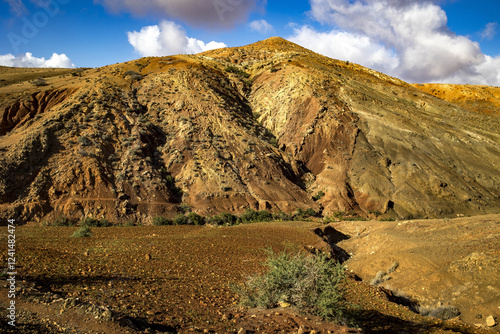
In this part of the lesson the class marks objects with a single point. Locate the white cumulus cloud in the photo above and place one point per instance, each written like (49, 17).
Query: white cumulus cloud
(261, 26)
(28, 60)
(405, 38)
(347, 46)
(486, 73)
(167, 38)
(206, 13)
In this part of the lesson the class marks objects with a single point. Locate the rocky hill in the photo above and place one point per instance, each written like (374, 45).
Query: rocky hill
(479, 99)
(268, 126)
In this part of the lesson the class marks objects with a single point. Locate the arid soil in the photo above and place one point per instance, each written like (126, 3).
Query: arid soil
(440, 262)
(177, 279)
(269, 125)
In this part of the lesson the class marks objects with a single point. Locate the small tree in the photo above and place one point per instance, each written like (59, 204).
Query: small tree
(319, 195)
(310, 213)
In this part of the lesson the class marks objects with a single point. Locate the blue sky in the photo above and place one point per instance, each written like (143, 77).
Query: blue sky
(455, 41)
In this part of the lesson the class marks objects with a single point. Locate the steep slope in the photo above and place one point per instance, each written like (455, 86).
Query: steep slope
(121, 145)
(479, 99)
(371, 142)
(265, 126)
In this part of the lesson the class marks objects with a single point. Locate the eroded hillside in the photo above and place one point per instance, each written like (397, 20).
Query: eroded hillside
(479, 99)
(266, 126)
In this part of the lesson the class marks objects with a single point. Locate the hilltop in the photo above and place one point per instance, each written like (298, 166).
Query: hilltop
(268, 126)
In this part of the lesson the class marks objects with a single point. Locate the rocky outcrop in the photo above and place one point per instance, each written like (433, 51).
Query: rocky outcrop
(21, 112)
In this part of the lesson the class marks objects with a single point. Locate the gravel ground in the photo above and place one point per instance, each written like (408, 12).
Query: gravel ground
(176, 279)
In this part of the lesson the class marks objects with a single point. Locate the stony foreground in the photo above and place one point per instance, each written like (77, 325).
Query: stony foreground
(177, 279)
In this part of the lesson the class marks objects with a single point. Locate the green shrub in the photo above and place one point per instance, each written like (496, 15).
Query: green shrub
(248, 216)
(328, 219)
(62, 221)
(223, 218)
(161, 221)
(89, 221)
(83, 231)
(299, 213)
(311, 213)
(94, 222)
(281, 216)
(302, 214)
(319, 195)
(103, 222)
(252, 216)
(339, 215)
(237, 71)
(180, 219)
(264, 216)
(184, 207)
(170, 182)
(215, 220)
(195, 219)
(312, 284)
(39, 82)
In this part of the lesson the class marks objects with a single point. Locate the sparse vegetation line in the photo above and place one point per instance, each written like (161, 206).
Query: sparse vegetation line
(187, 217)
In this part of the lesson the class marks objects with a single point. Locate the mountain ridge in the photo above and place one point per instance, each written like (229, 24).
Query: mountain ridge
(265, 126)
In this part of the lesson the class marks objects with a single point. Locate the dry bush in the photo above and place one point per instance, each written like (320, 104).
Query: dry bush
(309, 283)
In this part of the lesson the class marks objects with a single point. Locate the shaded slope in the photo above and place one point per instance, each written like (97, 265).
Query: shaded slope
(122, 149)
(375, 143)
